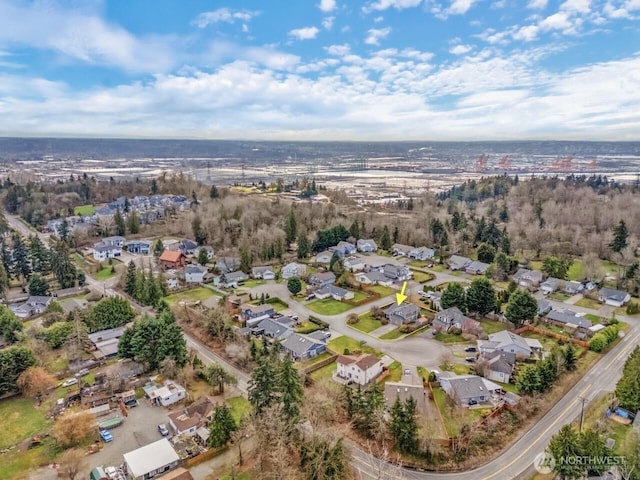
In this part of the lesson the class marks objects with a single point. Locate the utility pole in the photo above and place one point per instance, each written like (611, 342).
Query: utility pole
(582, 412)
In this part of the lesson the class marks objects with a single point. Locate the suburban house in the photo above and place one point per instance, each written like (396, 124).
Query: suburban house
(506, 341)
(366, 245)
(253, 314)
(173, 259)
(188, 247)
(397, 273)
(164, 395)
(303, 347)
(141, 247)
(573, 287)
(293, 270)
(263, 273)
(615, 298)
(422, 253)
(324, 257)
(334, 292)
(468, 389)
(476, 268)
(550, 285)
(457, 262)
(271, 328)
(195, 273)
(230, 280)
(544, 307)
(570, 321)
(343, 248)
(526, 278)
(322, 279)
(407, 387)
(401, 314)
(152, 460)
(106, 341)
(34, 305)
(353, 264)
(453, 318)
(227, 264)
(360, 370)
(172, 281)
(401, 250)
(207, 248)
(374, 277)
(196, 415)
(498, 366)
(109, 247)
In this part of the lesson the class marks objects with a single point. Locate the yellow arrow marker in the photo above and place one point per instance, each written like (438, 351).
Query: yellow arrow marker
(401, 297)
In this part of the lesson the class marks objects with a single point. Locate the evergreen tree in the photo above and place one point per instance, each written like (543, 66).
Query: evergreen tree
(38, 286)
(335, 258)
(291, 227)
(213, 192)
(566, 445)
(246, 259)
(505, 243)
(118, 221)
(404, 427)
(486, 253)
(5, 256)
(133, 222)
(222, 426)
(528, 380)
(154, 187)
(199, 235)
(4, 282)
(127, 205)
(203, 256)
(38, 255)
(158, 248)
(219, 377)
(385, 239)
(354, 230)
(263, 388)
(291, 390)
(481, 297)
(294, 285)
(570, 357)
(304, 247)
(620, 236)
(64, 230)
(454, 296)
(130, 279)
(522, 306)
(21, 267)
(396, 234)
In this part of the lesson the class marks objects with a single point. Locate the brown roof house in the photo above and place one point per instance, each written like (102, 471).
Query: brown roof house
(361, 370)
(173, 259)
(186, 421)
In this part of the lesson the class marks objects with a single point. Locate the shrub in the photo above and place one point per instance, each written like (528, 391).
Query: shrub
(346, 351)
(598, 342)
(384, 321)
(456, 331)
(352, 319)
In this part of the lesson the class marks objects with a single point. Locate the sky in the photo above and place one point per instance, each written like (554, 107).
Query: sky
(377, 70)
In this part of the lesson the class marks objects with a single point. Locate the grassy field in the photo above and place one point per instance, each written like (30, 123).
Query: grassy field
(449, 338)
(278, 305)
(240, 408)
(438, 268)
(383, 291)
(16, 465)
(104, 274)
(20, 420)
(84, 210)
(338, 345)
(535, 265)
(253, 283)
(589, 303)
(359, 296)
(422, 277)
(560, 297)
(328, 306)
(324, 373)
(367, 323)
(593, 318)
(419, 263)
(197, 294)
(492, 326)
(392, 335)
(577, 271)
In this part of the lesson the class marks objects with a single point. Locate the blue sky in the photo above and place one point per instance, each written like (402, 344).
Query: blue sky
(321, 69)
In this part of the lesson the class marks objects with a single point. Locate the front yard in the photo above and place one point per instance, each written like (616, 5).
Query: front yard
(253, 283)
(449, 338)
(366, 323)
(492, 326)
(340, 344)
(589, 303)
(422, 277)
(328, 306)
(382, 290)
(392, 335)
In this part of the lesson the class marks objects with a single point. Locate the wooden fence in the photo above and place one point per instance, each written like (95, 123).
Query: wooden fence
(317, 366)
(549, 333)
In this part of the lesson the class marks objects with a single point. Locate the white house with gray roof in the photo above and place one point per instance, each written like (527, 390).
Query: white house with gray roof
(401, 250)
(195, 273)
(293, 270)
(263, 273)
(615, 298)
(506, 341)
(353, 264)
(422, 253)
(303, 347)
(456, 262)
(366, 245)
(468, 390)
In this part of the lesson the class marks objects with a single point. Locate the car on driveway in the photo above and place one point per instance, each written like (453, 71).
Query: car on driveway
(470, 359)
(106, 435)
(69, 382)
(162, 428)
(470, 349)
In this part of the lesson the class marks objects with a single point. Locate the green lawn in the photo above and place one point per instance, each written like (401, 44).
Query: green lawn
(576, 271)
(20, 420)
(104, 274)
(308, 327)
(328, 306)
(509, 387)
(240, 408)
(84, 210)
(395, 373)
(359, 296)
(560, 297)
(383, 291)
(197, 294)
(535, 265)
(589, 303)
(440, 397)
(367, 323)
(593, 318)
(253, 283)
(439, 268)
(422, 277)
(339, 344)
(609, 266)
(278, 305)
(458, 368)
(449, 338)
(418, 263)
(14, 466)
(323, 373)
(392, 335)
(492, 326)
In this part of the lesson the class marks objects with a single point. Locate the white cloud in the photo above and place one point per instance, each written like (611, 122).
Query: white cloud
(460, 7)
(576, 6)
(327, 5)
(460, 49)
(378, 19)
(224, 15)
(557, 21)
(537, 4)
(338, 50)
(397, 4)
(527, 33)
(374, 35)
(306, 33)
(327, 23)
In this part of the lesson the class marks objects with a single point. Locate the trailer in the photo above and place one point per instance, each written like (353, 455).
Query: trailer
(110, 423)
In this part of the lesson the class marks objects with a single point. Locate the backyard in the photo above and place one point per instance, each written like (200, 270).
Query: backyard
(84, 210)
(328, 306)
(20, 420)
(492, 326)
(323, 373)
(195, 295)
(105, 273)
(253, 283)
(366, 323)
(240, 408)
(382, 290)
(576, 271)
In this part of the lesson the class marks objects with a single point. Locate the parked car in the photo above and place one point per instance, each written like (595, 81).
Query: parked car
(473, 402)
(471, 349)
(106, 435)
(162, 428)
(69, 382)
(470, 359)
(407, 371)
(310, 297)
(82, 372)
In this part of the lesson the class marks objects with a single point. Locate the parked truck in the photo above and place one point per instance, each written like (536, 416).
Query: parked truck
(110, 423)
